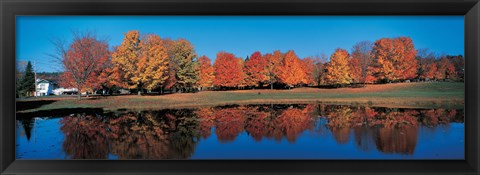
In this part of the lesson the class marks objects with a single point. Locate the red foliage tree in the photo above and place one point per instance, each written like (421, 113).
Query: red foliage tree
(427, 67)
(84, 62)
(446, 69)
(255, 69)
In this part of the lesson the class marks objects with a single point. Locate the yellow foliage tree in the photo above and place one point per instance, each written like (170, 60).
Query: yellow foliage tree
(338, 70)
(125, 58)
(153, 64)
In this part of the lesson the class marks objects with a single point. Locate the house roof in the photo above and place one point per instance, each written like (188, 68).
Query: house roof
(42, 81)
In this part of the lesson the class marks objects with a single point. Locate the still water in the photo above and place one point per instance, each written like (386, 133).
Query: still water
(299, 131)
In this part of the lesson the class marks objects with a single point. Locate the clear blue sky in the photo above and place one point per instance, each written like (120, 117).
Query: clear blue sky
(242, 35)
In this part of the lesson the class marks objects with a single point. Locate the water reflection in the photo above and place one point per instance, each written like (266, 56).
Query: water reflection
(175, 134)
(144, 135)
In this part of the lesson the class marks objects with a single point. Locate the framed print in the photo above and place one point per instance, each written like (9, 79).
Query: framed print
(279, 87)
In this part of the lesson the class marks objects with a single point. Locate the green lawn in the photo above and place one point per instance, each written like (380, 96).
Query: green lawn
(408, 95)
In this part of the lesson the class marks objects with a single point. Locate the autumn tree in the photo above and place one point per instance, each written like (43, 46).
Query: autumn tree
(427, 65)
(338, 70)
(228, 70)
(355, 70)
(255, 69)
(314, 69)
(172, 80)
(111, 76)
(394, 59)
(153, 63)
(290, 71)
(459, 63)
(445, 70)
(361, 60)
(205, 73)
(183, 57)
(125, 58)
(406, 67)
(83, 62)
(271, 71)
(319, 71)
(242, 83)
(140, 62)
(309, 66)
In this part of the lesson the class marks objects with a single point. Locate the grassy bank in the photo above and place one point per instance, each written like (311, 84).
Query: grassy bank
(408, 95)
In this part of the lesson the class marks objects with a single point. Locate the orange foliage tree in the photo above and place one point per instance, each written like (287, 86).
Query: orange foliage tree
(205, 72)
(407, 64)
(228, 70)
(290, 71)
(255, 69)
(272, 69)
(394, 59)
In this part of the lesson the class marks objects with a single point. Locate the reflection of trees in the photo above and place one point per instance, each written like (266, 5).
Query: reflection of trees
(184, 137)
(391, 130)
(207, 121)
(27, 126)
(144, 135)
(139, 136)
(292, 122)
(397, 140)
(340, 120)
(259, 121)
(229, 123)
(174, 134)
(433, 117)
(86, 137)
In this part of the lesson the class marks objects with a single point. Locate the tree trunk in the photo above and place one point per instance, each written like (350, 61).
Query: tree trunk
(78, 92)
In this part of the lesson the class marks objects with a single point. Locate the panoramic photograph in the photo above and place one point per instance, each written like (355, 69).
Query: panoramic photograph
(240, 87)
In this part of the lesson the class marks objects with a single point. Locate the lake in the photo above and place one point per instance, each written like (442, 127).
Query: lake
(271, 131)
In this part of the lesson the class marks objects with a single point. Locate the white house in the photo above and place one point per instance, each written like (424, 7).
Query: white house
(44, 87)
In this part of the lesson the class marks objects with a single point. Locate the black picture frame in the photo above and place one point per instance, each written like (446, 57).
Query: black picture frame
(10, 8)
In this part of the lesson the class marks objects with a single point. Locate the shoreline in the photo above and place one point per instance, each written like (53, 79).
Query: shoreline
(400, 95)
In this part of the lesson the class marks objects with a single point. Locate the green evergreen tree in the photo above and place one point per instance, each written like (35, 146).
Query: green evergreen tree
(26, 86)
